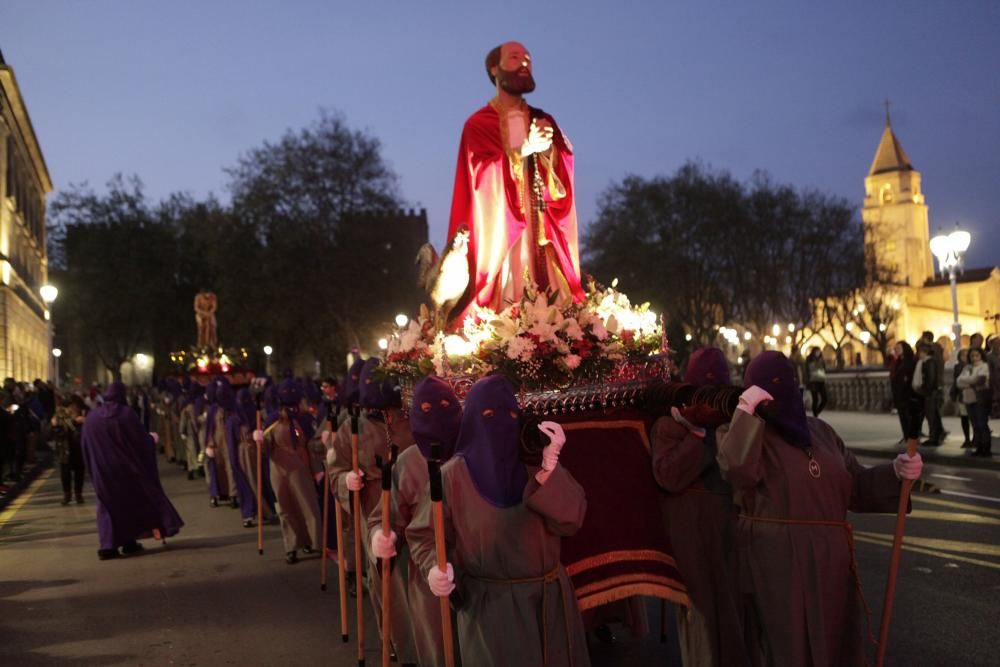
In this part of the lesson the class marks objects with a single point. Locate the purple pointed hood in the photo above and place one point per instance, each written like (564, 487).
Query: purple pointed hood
(196, 396)
(224, 395)
(352, 384)
(490, 441)
(435, 417)
(774, 373)
(245, 409)
(289, 394)
(707, 367)
(375, 395)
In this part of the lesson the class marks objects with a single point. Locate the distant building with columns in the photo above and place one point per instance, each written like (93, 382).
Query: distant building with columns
(25, 182)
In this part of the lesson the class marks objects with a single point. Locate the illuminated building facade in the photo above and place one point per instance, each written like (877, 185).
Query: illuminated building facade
(24, 184)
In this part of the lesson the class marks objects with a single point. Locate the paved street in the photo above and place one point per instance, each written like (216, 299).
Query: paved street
(207, 598)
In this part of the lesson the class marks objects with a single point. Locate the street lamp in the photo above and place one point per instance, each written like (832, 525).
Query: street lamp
(49, 294)
(949, 250)
(402, 320)
(383, 344)
(267, 351)
(56, 353)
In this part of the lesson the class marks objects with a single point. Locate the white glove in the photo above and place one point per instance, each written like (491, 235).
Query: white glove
(210, 452)
(355, 480)
(382, 546)
(751, 398)
(331, 456)
(441, 583)
(907, 467)
(258, 436)
(696, 431)
(155, 436)
(557, 438)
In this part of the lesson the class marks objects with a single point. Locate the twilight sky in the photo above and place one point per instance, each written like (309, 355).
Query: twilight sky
(175, 91)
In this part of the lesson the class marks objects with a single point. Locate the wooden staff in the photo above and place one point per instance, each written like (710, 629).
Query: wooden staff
(386, 565)
(358, 536)
(326, 530)
(437, 497)
(897, 547)
(260, 487)
(341, 571)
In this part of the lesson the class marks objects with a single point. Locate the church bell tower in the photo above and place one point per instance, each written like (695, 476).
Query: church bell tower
(895, 214)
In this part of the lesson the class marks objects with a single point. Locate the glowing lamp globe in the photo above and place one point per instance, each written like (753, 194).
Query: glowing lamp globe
(48, 292)
(960, 240)
(941, 246)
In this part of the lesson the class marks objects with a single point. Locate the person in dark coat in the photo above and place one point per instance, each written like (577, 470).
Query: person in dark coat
(909, 406)
(121, 458)
(67, 424)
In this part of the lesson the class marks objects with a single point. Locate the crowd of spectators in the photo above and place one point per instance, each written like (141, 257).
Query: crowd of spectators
(917, 378)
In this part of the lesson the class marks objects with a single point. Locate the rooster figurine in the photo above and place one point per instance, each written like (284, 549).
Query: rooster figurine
(444, 278)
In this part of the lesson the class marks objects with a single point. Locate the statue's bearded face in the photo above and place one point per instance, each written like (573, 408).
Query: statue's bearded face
(514, 71)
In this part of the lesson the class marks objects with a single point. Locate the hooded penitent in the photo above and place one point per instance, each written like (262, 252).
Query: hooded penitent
(435, 416)
(212, 401)
(375, 395)
(489, 441)
(121, 459)
(245, 410)
(196, 395)
(242, 413)
(707, 367)
(774, 373)
(289, 396)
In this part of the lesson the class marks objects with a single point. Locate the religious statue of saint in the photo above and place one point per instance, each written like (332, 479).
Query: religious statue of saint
(205, 305)
(514, 194)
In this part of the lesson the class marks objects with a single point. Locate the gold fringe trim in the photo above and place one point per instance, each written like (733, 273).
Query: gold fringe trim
(620, 588)
(618, 557)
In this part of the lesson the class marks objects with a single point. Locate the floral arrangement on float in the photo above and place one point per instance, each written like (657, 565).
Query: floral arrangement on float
(541, 343)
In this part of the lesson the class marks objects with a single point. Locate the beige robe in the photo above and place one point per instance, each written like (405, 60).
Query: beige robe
(516, 606)
(294, 490)
(374, 441)
(223, 466)
(804, 600)
(247, 451)
(410, 488)
(701, 521)
(188, 430)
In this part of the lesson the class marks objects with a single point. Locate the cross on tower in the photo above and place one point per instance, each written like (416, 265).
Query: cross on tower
(887, 103)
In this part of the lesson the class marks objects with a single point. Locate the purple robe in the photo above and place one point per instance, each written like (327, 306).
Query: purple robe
(121, 458)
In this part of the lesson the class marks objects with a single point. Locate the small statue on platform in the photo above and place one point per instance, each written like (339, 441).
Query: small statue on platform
(205, 305)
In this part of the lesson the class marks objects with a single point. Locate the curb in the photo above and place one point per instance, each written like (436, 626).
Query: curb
(30, 475)
(930, 456)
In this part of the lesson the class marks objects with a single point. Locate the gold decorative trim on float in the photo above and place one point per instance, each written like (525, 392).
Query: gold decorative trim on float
(619, 557)
(627, 585)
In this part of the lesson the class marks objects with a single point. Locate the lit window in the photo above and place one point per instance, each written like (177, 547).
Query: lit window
(886, 194)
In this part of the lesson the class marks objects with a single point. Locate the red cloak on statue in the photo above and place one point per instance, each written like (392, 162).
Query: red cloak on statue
(493, 191)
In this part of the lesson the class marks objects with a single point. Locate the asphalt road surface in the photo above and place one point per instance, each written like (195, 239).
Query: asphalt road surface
(208, 598)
